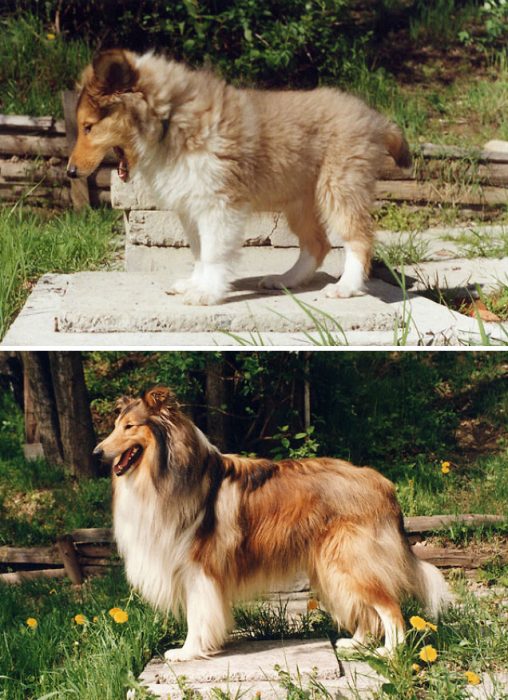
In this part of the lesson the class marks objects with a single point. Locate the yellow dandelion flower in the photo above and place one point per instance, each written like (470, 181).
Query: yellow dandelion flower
(445, 467)
(95, 618)
(120, 617)
(50, 37)
(472, 678)
(312, 604)
(417, 622)
(79, 619)
(32, 623)
(114, 611)
(416, 668)
(432, 626)
(428, 654)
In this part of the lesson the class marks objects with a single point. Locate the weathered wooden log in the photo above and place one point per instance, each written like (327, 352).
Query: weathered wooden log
(96, 550)
(92, 535)
(32, 171)
(448, 557)
(413, 191)
(21, 576)
(15, 122)
(432, 150)
(30, 555)
(70, 558)
(433, 523)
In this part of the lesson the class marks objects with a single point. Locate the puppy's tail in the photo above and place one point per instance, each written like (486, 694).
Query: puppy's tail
(431, 588)
(397, 146)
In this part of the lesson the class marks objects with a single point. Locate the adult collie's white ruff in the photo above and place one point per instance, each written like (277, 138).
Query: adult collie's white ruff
(199, 529)
(215, 153)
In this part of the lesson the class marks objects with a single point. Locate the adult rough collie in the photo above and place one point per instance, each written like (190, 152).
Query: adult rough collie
(199, 529)
(215, 153)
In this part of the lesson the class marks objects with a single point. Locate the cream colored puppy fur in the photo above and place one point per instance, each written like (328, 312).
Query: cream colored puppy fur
(215, 153)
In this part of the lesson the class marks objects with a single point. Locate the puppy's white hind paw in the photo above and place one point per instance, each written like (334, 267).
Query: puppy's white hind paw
(203, 297)
(275, 282)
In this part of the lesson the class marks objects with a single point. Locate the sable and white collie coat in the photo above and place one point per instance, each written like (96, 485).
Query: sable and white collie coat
(215, 153)
(199, 529)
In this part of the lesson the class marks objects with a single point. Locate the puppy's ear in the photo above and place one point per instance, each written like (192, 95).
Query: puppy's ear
(114, 72)
(160, 397)
(122, 402)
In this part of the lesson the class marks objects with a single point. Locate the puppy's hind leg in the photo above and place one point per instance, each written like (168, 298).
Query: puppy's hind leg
(220, 238)
(345, 205)
(208, 618)
(314, 246)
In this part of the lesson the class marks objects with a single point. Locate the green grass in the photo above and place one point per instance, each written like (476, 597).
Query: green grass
(34, 242)
(35, 68)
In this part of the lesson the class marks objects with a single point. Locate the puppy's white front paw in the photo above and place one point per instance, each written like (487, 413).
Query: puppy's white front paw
(203, 297)
(181, 286)
(345, 643)
(342, 290)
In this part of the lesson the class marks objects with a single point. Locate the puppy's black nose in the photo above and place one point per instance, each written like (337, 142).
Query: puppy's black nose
(98, 451)
(72, 171)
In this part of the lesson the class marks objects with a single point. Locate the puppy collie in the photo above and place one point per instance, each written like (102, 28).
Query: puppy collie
(215, 153)
(199, 530)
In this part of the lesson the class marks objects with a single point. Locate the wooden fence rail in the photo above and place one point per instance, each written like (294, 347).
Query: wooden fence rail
(92, 551)
(34, 153)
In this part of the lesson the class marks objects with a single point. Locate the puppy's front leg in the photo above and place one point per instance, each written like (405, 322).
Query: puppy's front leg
(220, 235)
(208, 618)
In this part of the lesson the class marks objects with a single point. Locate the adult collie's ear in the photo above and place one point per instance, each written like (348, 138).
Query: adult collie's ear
(122, 402)
(159, 397)
(114, 72)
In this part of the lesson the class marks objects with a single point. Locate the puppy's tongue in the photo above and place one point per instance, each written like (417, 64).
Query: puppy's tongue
(123, 170)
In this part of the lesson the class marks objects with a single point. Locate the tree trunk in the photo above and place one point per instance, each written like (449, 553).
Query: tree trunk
(37, 368)
(76, 428)
(217, 392)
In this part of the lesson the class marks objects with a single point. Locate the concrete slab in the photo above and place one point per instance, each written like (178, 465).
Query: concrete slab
(118, 309)
(248, 668)
(443, 243)
(258, 260)
(460, 273)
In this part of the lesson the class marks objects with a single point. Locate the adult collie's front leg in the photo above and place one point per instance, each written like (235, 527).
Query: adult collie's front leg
(208, 618)
(220, 236)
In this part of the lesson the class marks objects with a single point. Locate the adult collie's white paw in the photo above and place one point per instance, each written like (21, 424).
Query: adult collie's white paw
(346, 643)
(183, 654)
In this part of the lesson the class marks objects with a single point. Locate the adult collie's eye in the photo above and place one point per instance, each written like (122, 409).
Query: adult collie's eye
(87, 128)
(129, 426)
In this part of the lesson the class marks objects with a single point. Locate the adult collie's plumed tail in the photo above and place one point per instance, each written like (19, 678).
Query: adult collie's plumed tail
(199, 529)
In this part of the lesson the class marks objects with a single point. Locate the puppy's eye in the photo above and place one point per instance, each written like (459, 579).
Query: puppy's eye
(129, 426)
(87, 128)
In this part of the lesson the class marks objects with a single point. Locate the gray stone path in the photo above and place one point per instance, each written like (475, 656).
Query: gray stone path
(249, 668)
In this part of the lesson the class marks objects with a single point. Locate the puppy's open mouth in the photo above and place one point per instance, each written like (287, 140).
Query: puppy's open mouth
(123, 164)
(128, 459)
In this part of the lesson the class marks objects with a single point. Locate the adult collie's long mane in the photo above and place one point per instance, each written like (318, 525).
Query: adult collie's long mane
(200, 528)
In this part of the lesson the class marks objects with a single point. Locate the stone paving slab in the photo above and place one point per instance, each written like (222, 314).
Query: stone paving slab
(459, 273)
(119, 309)
(247, 667)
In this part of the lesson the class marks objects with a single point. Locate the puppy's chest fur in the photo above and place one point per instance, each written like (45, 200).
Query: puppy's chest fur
(156, 549)
(191, 181)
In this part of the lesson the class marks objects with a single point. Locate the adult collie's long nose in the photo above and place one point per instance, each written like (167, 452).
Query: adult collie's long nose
(98, 451)
(72, 171)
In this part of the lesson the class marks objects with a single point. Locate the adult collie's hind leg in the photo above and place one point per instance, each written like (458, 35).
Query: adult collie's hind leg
(303, 221)
(345, 200)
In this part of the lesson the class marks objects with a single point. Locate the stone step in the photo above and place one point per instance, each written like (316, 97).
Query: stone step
(120, 309)
(247, 668)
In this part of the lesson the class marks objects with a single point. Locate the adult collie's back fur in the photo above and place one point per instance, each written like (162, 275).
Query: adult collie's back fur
(199, 529)
(215, 153)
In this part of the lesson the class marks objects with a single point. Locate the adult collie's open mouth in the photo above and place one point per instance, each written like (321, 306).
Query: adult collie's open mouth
(128, 459)
(123, 164)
